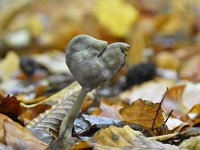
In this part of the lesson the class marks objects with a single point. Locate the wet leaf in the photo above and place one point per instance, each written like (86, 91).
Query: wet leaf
(144, 113)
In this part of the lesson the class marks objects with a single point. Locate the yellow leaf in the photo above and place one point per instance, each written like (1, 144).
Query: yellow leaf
(143, 112)
(116, 15)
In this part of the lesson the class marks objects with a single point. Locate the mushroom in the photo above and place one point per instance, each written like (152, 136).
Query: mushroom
(91, 62)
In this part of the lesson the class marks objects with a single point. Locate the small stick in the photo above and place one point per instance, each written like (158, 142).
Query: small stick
(168, 116)
(159, 109)
(175, 136)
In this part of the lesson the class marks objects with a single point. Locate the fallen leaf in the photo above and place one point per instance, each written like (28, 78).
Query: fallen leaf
(144, 113)
(173, 123)
(110, 108)
(151, 90)
(17, 137)
(190, 96)
(10, 106)
(126, 138)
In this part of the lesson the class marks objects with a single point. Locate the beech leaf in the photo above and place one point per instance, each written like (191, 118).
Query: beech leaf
(143, 113)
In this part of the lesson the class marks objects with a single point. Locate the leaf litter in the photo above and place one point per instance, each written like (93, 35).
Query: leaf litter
(165, 33)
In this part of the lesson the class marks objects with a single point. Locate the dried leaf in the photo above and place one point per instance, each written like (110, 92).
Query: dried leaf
(173, 123)
(126, 138)
(143, 113)
(190, 96)
(111, 109)
(151, 90)
(10, 106)
(48, 123)
(18, 137)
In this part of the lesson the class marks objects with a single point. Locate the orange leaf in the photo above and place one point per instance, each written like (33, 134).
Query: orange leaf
(144, 113)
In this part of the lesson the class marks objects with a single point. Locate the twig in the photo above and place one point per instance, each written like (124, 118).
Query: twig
(168, 116)
(159, 108)
(176, 136)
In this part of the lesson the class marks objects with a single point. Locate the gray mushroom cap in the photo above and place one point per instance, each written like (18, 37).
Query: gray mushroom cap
(93, 61)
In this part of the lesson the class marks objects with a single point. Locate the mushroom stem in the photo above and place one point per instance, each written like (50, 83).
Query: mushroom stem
(65, 141)
(68, 121)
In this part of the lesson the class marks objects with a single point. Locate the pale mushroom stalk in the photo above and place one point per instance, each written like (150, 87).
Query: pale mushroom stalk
(91, 62)
(71, 117)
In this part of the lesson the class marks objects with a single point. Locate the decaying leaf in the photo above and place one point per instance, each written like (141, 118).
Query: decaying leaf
(126, 138)
(18, 137)
(46, 126)
(144, 113)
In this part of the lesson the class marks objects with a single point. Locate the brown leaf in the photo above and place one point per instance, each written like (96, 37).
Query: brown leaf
(143, 112)
(10, 106)
(18, 137)
(125, 138)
